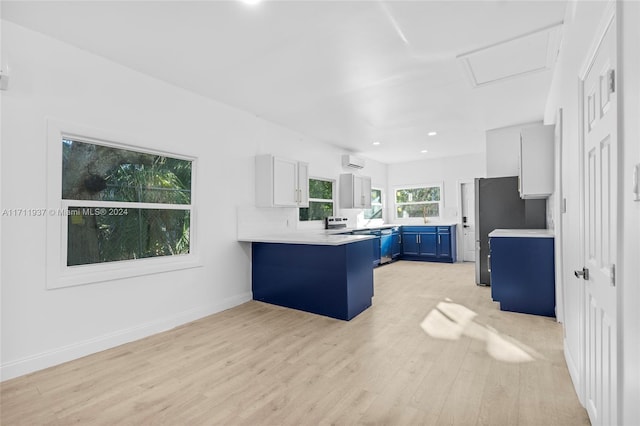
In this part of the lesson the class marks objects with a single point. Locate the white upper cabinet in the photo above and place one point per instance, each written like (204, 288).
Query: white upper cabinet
(355, 191)
(281, 182)
(536, 162)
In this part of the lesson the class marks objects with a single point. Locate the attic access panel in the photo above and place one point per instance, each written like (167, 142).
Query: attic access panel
(525, 54)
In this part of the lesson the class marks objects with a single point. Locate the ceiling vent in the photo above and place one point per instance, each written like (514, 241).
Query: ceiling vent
(525, 54)
(352, 161)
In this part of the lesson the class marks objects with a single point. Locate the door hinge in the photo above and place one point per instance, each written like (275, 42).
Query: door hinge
(613, 275)
(612, 81)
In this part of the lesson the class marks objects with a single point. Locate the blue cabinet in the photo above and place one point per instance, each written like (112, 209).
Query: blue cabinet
(335, 281)
(444, 242)
(523, 274)
(410, 243)
(375, 244)
(430, 243)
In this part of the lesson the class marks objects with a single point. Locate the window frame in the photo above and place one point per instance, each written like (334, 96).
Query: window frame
(381, 204)
(439, 185)
(321, 200)
(59, 275)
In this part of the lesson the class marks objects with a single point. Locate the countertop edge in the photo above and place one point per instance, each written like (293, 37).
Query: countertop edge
(522, 233)
(307, 239)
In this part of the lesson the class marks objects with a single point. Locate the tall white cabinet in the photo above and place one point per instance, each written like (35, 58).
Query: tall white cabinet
(355, 191)
(536, 162)
(281, 182)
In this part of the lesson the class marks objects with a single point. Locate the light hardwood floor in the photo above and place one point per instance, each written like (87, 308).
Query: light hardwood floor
(262, 364)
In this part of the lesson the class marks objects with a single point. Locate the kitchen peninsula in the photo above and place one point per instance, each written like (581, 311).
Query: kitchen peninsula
(321, 273)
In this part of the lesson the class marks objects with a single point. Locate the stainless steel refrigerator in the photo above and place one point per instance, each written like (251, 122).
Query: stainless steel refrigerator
(499, 206)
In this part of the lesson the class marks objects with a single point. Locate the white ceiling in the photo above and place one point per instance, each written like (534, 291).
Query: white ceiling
(345, 72)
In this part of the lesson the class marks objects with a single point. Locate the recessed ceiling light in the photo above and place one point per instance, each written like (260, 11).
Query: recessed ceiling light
(424, 151)
(251, 2)
(432, 133)
(376, 143)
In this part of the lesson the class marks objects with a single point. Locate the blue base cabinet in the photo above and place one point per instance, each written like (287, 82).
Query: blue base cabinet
(429, 243)
(523, 274)
(375, 244)
(335, 281)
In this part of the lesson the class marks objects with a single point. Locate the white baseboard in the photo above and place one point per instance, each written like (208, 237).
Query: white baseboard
(574, 372)
(77, 350)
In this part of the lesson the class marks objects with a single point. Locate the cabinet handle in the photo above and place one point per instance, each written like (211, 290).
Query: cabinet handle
(438, 239)
(489, 263)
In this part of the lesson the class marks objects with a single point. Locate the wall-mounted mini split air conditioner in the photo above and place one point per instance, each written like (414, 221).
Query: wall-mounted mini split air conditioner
(352, 161)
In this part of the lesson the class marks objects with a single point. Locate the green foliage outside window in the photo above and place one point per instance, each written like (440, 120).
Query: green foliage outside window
(320, 201)
(418, 202)
(413, 195)
(143, 209)
(321, 189)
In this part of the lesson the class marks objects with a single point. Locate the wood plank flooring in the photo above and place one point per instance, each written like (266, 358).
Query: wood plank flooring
(259, 364)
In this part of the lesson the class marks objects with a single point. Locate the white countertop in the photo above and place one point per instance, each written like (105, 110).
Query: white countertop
(326, 237)
(523, 233)
(309, 238)
(390, 225)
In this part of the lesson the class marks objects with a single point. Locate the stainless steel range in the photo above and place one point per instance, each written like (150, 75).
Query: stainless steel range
(335, 222)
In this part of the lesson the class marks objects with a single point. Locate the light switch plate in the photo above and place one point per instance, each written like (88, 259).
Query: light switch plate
(4, 78)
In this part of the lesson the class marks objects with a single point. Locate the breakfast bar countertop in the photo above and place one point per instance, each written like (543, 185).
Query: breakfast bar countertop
(308, 238)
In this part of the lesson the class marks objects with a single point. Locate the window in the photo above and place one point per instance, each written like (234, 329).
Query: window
(115, 211)
(421, 201)
(123, 204)
(375, 212)
(320, 201)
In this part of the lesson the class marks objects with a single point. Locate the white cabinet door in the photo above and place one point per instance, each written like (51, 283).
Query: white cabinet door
(365, 185)
(358, 195)
(285, 183)
(355, 191)
(281, 182)
(303, 185)
(536, 162)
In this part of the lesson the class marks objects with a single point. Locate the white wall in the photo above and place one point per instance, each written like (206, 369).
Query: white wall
(1, 201)
(51, 79)
(629, 22)
(581, 22)
(449, 171)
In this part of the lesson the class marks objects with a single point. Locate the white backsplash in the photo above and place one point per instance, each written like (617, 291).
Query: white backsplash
(253, 220)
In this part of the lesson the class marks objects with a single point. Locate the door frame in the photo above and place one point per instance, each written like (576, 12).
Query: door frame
(610, 13)
(558, 211)
(460, 238)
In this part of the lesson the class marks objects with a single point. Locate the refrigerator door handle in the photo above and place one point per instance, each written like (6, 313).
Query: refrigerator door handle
(489, 263)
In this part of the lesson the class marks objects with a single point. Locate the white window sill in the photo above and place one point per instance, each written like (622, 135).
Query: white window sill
(68, 276)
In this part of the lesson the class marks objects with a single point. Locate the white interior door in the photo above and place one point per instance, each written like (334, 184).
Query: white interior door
(468, 222)
(600, 213)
